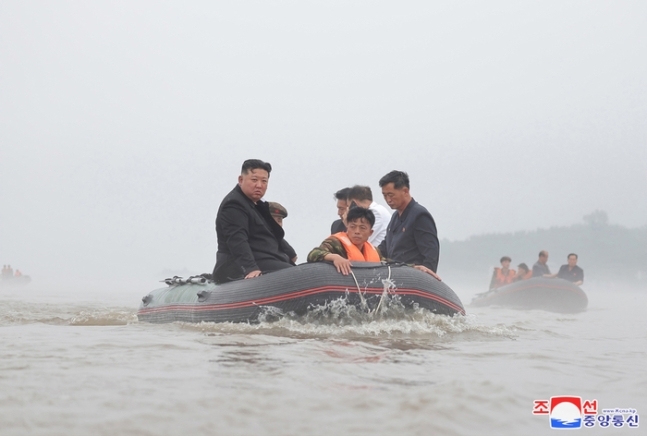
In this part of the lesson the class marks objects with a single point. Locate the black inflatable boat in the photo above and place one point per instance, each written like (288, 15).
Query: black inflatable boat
(554, 295)
(297, 290)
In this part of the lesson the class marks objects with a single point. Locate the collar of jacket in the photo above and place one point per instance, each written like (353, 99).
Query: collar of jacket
(266, 217)
(407, 209)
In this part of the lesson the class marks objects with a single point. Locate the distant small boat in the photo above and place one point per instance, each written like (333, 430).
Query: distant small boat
(553, 295)
(14, 282)
(297, 290)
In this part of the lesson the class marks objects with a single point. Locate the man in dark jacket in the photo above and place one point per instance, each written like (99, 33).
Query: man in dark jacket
(411, 236)
(540, 268)
(571, 271)
(250, 242)
(279, 213)
(342, 207)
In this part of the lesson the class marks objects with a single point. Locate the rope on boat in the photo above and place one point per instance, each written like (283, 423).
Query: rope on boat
(359, 291)
(388, 280)
(177, 280)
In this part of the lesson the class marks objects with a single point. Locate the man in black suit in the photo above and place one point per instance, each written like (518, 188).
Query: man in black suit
(571, 271)
(411, 236)
(250, 242)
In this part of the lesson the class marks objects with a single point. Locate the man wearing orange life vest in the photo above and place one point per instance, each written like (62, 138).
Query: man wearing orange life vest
(344, 248)
(504, 275)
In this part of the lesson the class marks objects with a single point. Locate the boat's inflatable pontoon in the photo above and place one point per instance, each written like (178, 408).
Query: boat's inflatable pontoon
(554, 295)
(297, 290)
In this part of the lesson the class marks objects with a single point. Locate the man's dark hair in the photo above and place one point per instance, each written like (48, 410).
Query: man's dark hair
(505, 258)
(400, 179)
(543, 253)
(524, 266)
(357, 213)
(255, 164)
(572, 254)
(342, 194)
(360, 193)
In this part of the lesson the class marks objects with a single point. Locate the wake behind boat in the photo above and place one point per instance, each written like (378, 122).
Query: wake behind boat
(551, 294)
(15, 282)
(297, 290)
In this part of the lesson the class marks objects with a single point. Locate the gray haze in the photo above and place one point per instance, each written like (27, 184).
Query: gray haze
(123, 124)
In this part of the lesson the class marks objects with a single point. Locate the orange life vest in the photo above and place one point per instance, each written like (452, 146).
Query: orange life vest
(368, 253)
(502, 279)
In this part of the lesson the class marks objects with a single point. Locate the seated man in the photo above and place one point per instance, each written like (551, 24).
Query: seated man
(504, 275)
(279, 213)
(540, 268)
(571, 271)
(523, 273)
(250, 242)
(362, 196)
(343, 248)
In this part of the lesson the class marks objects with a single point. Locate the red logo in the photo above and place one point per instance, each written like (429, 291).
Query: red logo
(540, 407)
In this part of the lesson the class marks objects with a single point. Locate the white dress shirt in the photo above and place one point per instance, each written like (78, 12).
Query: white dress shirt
(382, 219)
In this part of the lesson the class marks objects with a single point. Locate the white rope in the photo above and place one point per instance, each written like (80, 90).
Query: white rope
(386, 283)
(359, 291)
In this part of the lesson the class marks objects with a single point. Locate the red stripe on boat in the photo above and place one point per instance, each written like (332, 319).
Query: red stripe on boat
(297, 294)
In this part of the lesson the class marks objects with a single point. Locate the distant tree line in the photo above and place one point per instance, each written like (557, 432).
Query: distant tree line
(607, 252)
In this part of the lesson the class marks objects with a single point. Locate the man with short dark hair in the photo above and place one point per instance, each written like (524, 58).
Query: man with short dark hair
(344, 248)
(411, 235)
(504, 275)
(540, 268)
(250, 241)
(342, 207)
(363, 197)
(571, 271)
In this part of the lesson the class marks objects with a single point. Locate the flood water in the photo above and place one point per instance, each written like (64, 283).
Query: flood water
(80, 363)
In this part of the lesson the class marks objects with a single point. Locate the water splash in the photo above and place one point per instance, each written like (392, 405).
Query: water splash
(339, 318)
(104, 317)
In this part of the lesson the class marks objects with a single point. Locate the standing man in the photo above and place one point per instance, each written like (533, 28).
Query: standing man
(571, 271)
(411, 235)
(363, 197)
(250, 242)
(342, 207)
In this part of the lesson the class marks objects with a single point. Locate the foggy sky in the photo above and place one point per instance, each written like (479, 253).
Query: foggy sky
(124, 124)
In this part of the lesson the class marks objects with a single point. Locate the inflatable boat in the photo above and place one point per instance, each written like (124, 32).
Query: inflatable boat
(15, 282)
(296, 291)
(554, 295)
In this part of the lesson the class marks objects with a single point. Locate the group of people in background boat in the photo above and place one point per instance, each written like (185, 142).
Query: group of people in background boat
(251, 239)
(504, 275)
(8, 273)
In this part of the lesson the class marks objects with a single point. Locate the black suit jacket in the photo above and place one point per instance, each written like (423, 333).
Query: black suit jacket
(246, 233)
(412, 238)
(337, 226)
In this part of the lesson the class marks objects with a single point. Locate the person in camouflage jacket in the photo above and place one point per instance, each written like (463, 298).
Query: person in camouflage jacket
(335, 248)
(330, 245)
